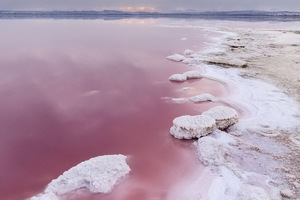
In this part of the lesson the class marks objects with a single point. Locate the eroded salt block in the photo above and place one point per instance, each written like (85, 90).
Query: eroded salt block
(178, 77)
(176, 57)
(202, 98)
(250, 192)
(188, 127)
(193, 74)
(224, 116)
(211, 151)
(98, 175)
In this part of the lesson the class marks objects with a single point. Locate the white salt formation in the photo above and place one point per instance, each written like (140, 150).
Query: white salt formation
(226, 61)
(193, 74)
(250, 192)
(202, 97)
(193, 61)
(211, 151)
(178, 77)
(188, 52)
(176, 57)
(188, 127)
(98, 175)
(46, 196)
(224, 116)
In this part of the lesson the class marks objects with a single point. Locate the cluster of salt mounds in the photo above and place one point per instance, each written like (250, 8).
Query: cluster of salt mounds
(98, 175)
(188, 127)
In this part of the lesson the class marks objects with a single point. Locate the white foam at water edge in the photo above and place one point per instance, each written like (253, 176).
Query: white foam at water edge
(98, 175)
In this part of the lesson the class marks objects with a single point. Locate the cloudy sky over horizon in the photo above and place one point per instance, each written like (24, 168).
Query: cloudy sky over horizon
(151, 5)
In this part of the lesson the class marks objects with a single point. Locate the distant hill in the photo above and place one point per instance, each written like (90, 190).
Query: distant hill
(109, 14)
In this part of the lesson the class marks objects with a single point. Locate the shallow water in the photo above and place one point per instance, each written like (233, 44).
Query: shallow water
(75, 89)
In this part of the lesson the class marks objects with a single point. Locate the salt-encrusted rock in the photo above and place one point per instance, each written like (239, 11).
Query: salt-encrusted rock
(287, 193)
(202, 97)
(211, 151)
(250, 192)
(98, 175)
(193, 74)
(224, 116)
(178, 77)
(188, 52)
(188, 127)
(176, 57)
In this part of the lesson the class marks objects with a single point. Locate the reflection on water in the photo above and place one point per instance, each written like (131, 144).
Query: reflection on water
(71, 90)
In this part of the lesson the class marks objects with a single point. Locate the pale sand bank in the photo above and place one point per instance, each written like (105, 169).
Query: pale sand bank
(273, 55)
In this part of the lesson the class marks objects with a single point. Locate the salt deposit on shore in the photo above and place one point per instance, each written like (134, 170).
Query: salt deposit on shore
(202, 97)
(260, 152)
(188, 127)
(98, 175)
(178, 77)
(224, 116)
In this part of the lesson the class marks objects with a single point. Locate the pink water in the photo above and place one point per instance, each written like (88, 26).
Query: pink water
(75, 89)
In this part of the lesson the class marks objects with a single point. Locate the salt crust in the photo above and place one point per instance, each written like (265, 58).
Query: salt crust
(211, 151)
(176, 57)
(46, 196)
(98, 175)
(193, 74)
(250, 192)
(225, 61)
(178, 77)
(188, 127)
(202, 97)
(224, 116)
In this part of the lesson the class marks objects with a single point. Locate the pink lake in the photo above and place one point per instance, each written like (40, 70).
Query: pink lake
(75, 89)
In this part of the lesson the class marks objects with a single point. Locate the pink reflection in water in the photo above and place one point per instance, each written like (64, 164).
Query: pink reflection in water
(78, 90)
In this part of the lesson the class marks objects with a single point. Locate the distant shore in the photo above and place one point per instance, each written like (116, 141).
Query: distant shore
(115, 14)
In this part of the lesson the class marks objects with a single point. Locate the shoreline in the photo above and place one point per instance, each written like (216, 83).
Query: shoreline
(261, 150)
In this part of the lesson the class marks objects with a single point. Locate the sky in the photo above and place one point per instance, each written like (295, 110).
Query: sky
(151, 5)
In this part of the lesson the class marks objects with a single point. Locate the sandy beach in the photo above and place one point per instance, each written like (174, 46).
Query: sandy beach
(262, 150)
